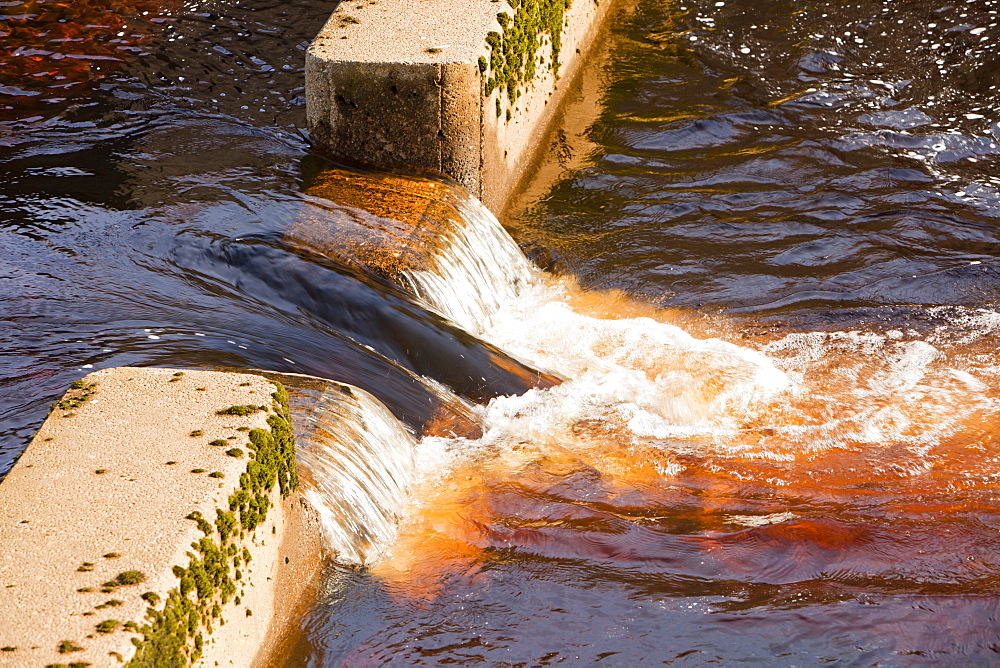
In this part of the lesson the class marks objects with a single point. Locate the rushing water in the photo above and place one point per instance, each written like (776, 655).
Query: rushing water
(751, 417)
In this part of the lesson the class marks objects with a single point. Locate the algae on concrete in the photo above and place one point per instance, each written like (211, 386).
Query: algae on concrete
(512, 61)
(175, 635)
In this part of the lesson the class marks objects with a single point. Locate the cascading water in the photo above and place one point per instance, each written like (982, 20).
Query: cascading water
(783, 451)
(360, 463)
(476, 270)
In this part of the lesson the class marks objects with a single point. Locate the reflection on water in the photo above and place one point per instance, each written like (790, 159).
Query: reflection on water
(811, 478)
(754, 420)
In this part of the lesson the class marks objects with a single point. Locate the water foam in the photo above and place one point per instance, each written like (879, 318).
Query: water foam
(645, 379)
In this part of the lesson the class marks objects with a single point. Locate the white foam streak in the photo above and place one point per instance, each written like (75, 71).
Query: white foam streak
(653, 377)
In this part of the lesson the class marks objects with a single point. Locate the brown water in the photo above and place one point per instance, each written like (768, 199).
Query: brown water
(764, 423)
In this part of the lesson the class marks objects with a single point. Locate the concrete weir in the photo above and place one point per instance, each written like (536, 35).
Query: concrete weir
(153, 520)
(462, 87)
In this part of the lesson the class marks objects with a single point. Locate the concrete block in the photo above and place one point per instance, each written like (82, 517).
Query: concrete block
(101, 516)
(399, 83)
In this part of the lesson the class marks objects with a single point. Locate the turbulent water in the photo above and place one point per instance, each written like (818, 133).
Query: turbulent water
(750, 413)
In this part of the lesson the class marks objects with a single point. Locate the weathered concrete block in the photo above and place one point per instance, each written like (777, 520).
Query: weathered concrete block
(122, 504)
(462, 87)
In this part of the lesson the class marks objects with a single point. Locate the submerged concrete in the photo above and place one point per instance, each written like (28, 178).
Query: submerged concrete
(415, 83)
(121, 506)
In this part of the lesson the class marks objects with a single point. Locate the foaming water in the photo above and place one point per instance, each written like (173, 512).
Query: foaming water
(649, 412)
(759, 470)
(822, 455)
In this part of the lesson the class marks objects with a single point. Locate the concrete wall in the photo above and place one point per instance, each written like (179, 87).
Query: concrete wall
(113, 483)
(398, 83)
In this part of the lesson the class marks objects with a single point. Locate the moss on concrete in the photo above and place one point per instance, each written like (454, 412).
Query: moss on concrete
(241, 410)
(175, 635)
(79, 392)
(513, 53)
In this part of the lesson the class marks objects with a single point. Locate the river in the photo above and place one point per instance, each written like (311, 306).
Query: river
(742, 404)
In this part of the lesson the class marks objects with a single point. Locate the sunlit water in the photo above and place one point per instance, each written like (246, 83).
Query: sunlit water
(752, 417)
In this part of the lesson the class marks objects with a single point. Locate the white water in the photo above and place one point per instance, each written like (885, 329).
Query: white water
(361, 461)
(640, 381)
(651, 376)
(477, 271)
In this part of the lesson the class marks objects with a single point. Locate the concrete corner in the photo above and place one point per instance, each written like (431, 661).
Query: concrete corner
(422, 85)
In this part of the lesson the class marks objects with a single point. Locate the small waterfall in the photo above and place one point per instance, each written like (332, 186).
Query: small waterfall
(433, 239)
(360, 462)
(477, 269)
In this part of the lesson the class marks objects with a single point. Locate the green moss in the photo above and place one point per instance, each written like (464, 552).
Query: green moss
(130, 577)
(203, 524)
(171, 462)
(225, 522)
(216, 474)
(197, 470)
(151, 597)
(113, 603)
(196, 433)
(67, 646)
(101, 471)
(78, 394)
(247, 384)
(234, 452)
(111, 555)
(512, 61)
(8, 648)
(79, 664)
(219, 441)
(86, 567)
(243, 429)
(172, 635)
(84, 590)
(107, 626)
(246, 409)
(178, 374)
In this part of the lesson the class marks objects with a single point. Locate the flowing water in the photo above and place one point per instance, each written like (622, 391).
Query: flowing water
(749, 413)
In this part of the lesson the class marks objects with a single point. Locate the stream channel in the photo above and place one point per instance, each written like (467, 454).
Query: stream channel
(741, 405)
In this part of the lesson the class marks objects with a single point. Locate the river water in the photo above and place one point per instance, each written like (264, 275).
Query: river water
(748, 412)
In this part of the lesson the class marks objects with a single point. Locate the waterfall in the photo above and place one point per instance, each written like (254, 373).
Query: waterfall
(476, 270)
(359, 462)
(652, 379)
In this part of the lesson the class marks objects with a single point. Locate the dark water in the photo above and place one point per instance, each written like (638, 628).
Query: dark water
(147, 180)
(816, 181)
(784, 157)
